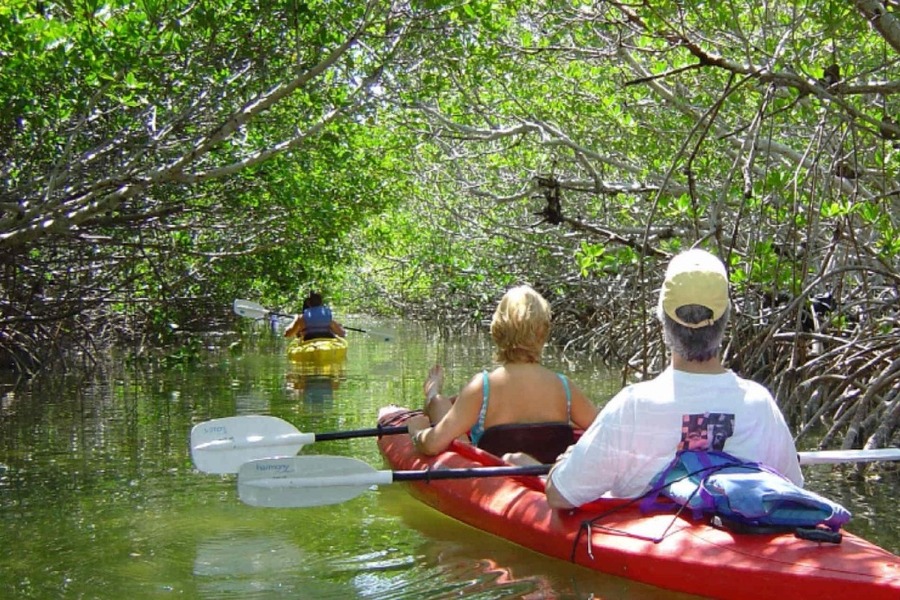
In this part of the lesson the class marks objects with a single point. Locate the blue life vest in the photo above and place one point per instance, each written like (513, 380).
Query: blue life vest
(749, 494)
(317, 322)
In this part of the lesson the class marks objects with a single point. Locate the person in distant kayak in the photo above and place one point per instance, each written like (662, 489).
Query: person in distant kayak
(315, 321)
(519, 406)
(695, 404)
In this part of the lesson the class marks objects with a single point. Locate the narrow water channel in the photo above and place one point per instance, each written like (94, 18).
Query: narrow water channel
(99, 497)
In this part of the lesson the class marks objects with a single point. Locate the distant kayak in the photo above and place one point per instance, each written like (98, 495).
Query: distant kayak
(318, 351)
(661, 549)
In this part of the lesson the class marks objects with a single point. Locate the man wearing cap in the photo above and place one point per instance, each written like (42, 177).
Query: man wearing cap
(694, 404)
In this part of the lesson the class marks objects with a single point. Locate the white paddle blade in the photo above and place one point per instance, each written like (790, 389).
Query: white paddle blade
(826, 457)
(303, 481)
(245, 308)
(223, 445)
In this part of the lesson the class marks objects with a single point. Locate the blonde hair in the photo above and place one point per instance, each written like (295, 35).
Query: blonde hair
(521, 326)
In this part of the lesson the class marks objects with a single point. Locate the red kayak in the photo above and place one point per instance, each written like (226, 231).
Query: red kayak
(660, 549)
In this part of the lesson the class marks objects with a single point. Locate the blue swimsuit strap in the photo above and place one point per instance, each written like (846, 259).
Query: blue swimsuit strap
(478, 429)
(565, 382)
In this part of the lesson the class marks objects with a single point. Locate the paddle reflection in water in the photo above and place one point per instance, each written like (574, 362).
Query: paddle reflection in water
(288, 555)
(247, 565)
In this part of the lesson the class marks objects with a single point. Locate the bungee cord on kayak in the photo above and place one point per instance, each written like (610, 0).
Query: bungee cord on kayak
(808, 515)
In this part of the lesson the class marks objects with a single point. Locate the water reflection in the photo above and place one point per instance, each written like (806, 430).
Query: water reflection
(245, 565)
(252, 403)
(315, 384)
(497, 568)
(99, 497)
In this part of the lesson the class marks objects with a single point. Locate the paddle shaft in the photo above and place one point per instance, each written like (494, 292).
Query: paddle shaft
(832, 457)
(817, 457)
(255, 441)
(275, 474)
(373, 477)
(233, 433)
(374, 432)
(246, 308)
(319, 480)
(434, 474)
(344, 326)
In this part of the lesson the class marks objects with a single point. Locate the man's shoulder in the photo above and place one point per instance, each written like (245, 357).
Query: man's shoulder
(752, 387)
(650, 390)
(650, 386)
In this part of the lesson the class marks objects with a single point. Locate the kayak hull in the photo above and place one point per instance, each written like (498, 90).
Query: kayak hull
(675, 553)
(321, 351)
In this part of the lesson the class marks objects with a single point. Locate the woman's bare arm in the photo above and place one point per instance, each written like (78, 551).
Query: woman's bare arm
(583, 410)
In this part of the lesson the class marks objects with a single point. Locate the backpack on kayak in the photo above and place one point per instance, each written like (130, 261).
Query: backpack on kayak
(745, 496)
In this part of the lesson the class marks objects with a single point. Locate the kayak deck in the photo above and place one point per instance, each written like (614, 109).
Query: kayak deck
(613, 536)
(318, 351)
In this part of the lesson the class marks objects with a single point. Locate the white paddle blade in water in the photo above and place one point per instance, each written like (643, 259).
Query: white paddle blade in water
(223, 445)
(303, 481)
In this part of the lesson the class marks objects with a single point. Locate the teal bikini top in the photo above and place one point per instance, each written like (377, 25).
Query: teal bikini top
(478, 429)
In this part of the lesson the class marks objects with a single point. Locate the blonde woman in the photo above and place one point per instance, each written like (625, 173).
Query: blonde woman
(520, 406)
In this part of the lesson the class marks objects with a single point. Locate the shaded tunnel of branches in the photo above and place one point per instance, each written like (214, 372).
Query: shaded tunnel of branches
(569, 148)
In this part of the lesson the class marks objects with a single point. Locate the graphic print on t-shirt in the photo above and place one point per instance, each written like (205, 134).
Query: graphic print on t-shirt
(706, 431)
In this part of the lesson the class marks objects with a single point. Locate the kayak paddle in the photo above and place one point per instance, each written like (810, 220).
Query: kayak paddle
(223, 445)
(303, 481)
(830, 457)
(252, 310)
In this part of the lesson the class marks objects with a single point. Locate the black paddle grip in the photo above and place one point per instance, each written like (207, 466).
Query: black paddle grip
(345, 435)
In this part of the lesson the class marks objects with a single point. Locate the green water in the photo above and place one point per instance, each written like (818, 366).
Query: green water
(99, 498)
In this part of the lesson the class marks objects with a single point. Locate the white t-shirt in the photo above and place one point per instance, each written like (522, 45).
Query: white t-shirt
(637, 434)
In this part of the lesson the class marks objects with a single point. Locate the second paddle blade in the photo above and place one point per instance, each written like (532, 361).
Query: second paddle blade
(303, 481)
(223, 445)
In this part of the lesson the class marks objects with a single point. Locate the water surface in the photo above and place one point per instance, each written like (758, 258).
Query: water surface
(99, 498)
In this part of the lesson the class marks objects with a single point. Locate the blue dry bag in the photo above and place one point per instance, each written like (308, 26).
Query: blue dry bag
(746, 494)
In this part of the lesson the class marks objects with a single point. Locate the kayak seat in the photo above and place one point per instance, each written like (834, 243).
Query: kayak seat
(543, 441)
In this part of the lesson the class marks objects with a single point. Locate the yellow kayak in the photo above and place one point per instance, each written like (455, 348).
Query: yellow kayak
(318, 351)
